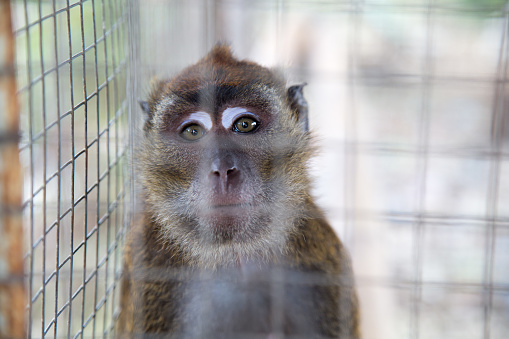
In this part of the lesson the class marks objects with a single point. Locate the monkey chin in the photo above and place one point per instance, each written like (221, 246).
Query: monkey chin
(229, 223)
(232, 234)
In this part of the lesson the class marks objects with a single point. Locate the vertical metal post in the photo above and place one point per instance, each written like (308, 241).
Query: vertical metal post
(12, 292)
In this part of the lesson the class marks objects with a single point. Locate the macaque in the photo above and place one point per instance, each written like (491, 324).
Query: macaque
(230, 242)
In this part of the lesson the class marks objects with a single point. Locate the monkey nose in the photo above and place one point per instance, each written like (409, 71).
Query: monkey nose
(224, 176)
(222, 173)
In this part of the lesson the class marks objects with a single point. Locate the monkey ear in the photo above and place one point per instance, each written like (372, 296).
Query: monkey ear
(145, 107)
(298, 104)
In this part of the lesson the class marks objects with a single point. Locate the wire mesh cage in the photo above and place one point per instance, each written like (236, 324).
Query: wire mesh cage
(407, 102)
(407, 99)
(72, 79)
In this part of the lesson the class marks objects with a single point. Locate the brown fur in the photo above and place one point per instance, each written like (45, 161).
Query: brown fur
(170, 249)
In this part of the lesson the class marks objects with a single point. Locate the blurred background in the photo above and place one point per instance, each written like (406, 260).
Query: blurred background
(408, 105)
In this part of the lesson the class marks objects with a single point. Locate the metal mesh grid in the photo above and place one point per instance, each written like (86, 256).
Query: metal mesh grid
(72, 75)
(408, 100)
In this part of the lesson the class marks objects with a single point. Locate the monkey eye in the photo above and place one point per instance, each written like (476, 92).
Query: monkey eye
(245, 125)
(192, 132)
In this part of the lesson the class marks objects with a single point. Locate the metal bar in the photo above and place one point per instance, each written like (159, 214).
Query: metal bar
(497, 135)
(421, 174)
(98, 158)
(73, 167)
(12, 288)
(45, 300)
(32, 170)
(85, 134)
(108, 105)
(118, 38)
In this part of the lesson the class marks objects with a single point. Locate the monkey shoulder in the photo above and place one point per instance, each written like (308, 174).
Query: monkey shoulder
(319, 256)
(314, 246)
(146, 246)
(151, 283)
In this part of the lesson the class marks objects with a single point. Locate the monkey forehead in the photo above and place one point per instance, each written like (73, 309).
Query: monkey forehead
(217, 100)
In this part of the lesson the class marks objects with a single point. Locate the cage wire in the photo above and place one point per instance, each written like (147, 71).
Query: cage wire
(72, 73)
(408, 101)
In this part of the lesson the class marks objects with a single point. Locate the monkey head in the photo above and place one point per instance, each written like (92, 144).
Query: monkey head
(222, 157)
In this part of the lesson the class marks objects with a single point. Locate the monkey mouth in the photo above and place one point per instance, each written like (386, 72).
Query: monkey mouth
(232, 208)
(232, 205)
(219, 208)
(220, 212)
(228, 212)
(228, 201)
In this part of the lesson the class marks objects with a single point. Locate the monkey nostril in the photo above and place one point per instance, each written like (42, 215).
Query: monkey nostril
(231, 171)
(228, 172)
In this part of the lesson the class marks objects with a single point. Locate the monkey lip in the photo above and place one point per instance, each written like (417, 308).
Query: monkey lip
(228, 208)
(231, 206)
(229, 201)
(229, 217)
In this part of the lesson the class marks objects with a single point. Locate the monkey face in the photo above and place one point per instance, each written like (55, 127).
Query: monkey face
(222, 158)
